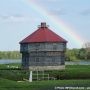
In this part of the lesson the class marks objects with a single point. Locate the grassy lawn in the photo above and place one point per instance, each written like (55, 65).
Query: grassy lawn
(9, 66)
(41, 85)
(72, 72)
(73, 75)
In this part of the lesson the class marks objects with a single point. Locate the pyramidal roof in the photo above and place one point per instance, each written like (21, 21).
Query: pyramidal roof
(43, 34)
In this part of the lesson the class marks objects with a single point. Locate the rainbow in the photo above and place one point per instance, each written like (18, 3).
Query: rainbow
(64, 29)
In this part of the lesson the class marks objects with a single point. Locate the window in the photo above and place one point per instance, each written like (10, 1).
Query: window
(37, 60)
(53, 59)
(37, 45)
(54, 46)
(25, 47)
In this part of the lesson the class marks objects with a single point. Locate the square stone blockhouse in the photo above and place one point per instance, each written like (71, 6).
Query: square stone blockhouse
(43, 50)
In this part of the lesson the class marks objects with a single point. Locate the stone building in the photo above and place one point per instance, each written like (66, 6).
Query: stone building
(43, 50)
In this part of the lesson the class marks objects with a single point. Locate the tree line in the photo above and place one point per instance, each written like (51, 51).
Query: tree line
(10, 55)
(79, 54)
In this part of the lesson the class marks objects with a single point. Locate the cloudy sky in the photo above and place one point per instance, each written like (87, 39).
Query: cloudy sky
(19, 18)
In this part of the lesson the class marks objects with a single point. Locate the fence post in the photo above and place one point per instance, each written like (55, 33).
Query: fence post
(48, 76)
(37, 75)
(30, 77)
(43, 75)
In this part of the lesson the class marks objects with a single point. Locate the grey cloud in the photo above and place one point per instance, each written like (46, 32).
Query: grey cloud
(85, 12)
(17, 18)
(14, 17)
(4, 17)
(10, 16)
(58, 12)
(52, 0)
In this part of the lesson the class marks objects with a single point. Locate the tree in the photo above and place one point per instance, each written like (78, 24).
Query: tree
(87, 48)
(82, 53)
(71, 54)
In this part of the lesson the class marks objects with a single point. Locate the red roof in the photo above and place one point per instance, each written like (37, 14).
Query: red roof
(43, 34)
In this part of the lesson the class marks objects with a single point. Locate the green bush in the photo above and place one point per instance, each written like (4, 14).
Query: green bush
(72, 72)
(14, 74)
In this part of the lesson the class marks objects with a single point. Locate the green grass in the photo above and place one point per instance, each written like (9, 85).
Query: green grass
(78, 71)
(41, 85)
(5, 66)
(72, 72)
(73, 75)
